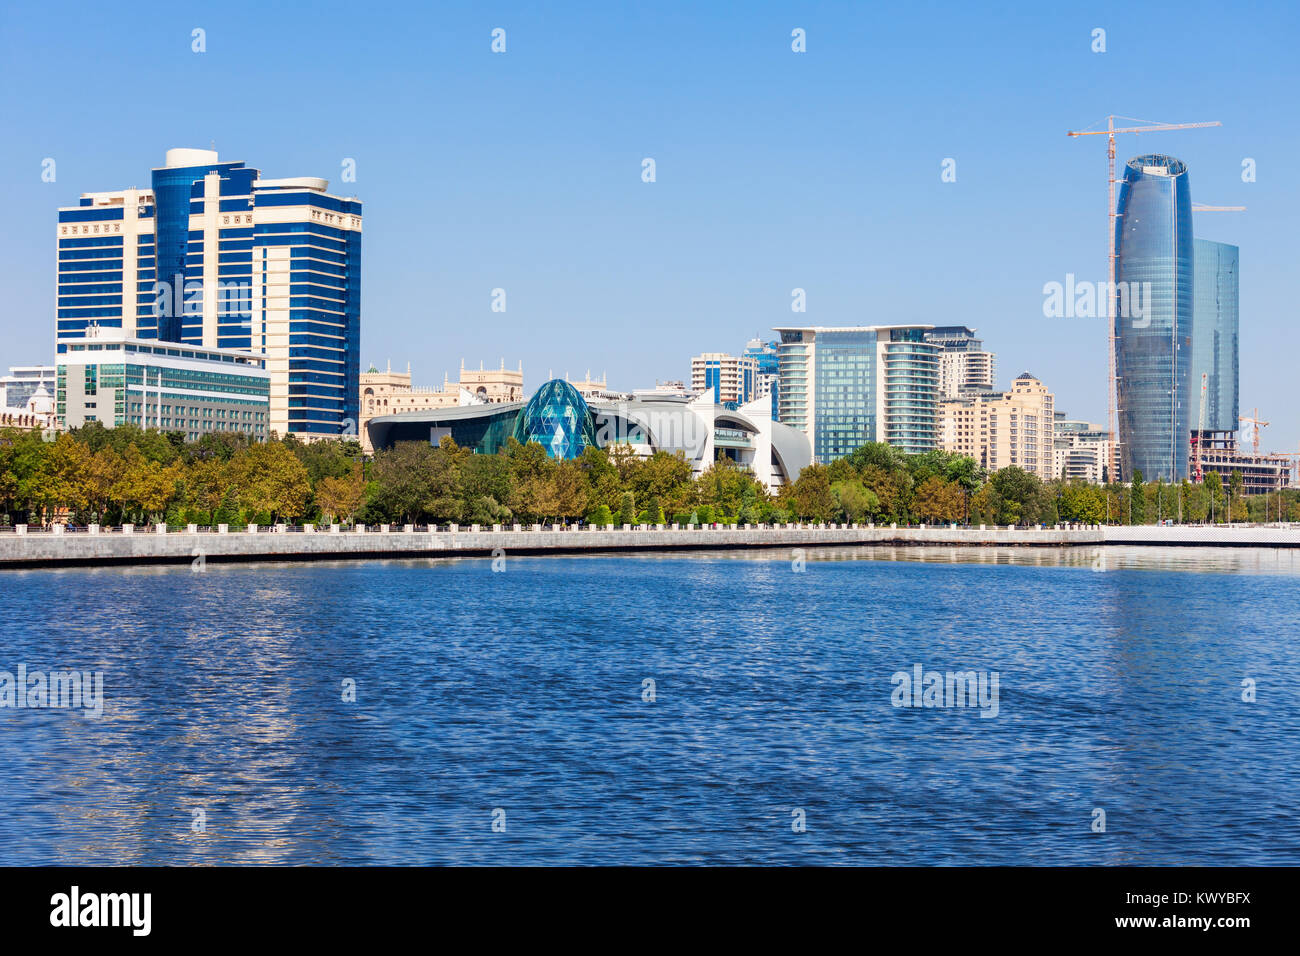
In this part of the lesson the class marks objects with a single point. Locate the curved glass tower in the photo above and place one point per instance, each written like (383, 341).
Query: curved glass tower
(1153, 317)
(558, 419)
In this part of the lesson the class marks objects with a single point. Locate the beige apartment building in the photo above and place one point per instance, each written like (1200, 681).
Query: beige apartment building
(999, 429)
(591, 388)
(391, 393)
(733, 378)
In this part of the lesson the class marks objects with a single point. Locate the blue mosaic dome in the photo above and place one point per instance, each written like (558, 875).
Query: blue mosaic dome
(558, 419)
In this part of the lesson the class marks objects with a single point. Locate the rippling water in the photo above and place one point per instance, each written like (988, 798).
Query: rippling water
(1120, 689)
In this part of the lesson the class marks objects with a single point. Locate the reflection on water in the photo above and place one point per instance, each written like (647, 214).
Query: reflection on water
(1121, 689)
(1099, 558)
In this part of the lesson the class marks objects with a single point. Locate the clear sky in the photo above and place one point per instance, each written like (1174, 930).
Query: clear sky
(775, 170)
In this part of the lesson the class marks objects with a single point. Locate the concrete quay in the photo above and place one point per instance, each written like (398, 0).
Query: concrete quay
(30, 547)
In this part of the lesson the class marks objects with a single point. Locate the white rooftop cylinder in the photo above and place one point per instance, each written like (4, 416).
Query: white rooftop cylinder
(191, 157)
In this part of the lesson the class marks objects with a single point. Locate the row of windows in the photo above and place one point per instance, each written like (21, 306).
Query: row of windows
(92, 214)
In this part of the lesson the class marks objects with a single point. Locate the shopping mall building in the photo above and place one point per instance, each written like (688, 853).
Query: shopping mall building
(565, 424)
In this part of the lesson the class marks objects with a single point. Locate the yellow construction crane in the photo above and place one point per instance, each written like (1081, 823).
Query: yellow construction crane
(1255, 421)
(1109, 132)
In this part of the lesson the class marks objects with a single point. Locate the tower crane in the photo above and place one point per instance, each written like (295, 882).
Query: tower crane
(1197, 439)
(1109, 132)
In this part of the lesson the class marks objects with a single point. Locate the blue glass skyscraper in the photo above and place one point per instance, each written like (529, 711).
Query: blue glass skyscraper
(1214, 336)
(214, 255)
(1154, 273)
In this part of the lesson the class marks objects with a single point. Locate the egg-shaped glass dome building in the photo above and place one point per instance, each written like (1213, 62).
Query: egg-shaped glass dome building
(558, 419)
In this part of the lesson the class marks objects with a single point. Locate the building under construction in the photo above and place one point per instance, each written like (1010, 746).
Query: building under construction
(1218, 451)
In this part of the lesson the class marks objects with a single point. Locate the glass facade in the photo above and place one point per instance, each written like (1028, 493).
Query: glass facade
(844, 392)
(558, 419)
(484, 434)
(844, 387)
(1153, 351)
(1214, 337)
(192, 391)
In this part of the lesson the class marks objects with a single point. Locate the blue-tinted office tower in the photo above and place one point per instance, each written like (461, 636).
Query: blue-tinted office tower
(1214, 336)
(1153, 351)
(213, 255)
(765, 359)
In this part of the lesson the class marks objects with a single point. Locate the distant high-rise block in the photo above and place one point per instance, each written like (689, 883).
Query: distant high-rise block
(1153, 350)
(1214, 337)
(964, 366)
(1003, 429)
(213, 255)
(844, 387)
(732, 379)
(764, 355)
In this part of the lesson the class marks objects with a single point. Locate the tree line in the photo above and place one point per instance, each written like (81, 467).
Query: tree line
(123, 475)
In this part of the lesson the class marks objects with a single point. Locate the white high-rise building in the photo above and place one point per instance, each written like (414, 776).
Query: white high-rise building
(1081, 450)
(965, 368)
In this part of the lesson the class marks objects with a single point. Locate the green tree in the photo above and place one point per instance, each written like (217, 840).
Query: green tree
(854, 500)
(401, 482)
(1021, 496)
(1083, 503)
(341, 497)
(892, 488)
(939, 500)
(1137, 499)
(272, 481)
(812, 496)
(1236, 488)
(533, 492)
(627, 509)
(1214, 492)
(877, 454)
(570, 483)
(603, 482)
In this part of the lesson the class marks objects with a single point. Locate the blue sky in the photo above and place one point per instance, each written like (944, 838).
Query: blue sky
(775, 170)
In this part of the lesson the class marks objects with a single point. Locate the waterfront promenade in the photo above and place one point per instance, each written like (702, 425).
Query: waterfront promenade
(29, 547)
